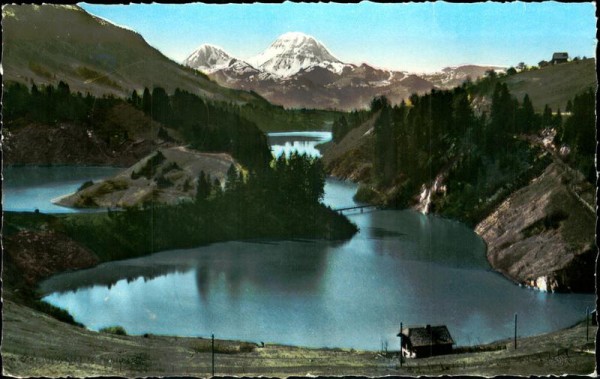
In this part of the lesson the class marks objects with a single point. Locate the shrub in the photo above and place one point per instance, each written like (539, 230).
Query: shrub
(95, 76)
(246, 347)
(163, 182)
(55, 312)
(171, 166)
(110, 186)
(86, 201)
(40, 70)
(149, 167)
(365, 194)
(224, 348)
(118, 330)
(85, 185)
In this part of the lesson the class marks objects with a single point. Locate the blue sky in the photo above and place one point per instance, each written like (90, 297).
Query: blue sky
(414, 37)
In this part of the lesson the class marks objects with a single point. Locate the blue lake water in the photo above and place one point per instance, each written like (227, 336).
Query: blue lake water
(301, 142)
(27, 188)
(401, 267)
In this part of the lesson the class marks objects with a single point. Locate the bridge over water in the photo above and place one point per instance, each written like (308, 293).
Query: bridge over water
(362, 208)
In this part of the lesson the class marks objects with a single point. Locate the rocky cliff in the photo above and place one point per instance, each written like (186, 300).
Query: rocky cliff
(543, 234)
(41, 254)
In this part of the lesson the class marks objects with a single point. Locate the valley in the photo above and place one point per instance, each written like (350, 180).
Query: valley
(148, 204)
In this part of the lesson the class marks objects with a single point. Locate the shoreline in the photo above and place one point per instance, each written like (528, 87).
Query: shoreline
(70, 361)
(35, 344)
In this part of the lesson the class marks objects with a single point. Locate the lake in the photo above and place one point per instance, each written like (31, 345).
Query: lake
(301, 142)
(401, 267)
(27, 188)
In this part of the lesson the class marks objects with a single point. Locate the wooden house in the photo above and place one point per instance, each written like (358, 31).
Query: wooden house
(425, 341)
(559, 58)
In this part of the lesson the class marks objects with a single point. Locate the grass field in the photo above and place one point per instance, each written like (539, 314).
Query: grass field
(35, 344)
(553, 85)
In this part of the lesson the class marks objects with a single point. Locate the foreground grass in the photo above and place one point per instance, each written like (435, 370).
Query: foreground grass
(37, 345)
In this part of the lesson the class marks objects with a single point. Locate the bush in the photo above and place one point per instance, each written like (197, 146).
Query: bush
(55, 312)
(85, 185)
(365, 194)
(224, 348)
(118, 330)
(171, 166)
(163, 182)
(95, 76)
(110, 186)
(149, 167)
(40, 70)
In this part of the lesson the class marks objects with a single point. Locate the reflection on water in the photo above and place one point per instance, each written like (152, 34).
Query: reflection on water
(315, 293)
(401, 267)
(287, 266)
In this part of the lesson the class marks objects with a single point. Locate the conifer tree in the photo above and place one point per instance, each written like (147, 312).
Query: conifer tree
(147, 101)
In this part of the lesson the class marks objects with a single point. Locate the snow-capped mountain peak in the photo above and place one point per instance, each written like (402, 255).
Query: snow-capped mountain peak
(292, 52)
(208, 59)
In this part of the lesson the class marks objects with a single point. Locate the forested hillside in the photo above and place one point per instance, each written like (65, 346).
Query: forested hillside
(181, 117)
(245, 206)
(471, 146)
(524, 179)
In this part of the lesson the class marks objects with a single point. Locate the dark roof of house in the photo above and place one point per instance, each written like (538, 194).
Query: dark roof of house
(560, 56)
(423, 335)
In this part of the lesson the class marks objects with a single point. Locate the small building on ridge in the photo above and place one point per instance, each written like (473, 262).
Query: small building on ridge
(425, 341)
(559, 58)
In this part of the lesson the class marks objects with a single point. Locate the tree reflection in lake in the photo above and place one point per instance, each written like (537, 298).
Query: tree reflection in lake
(285, 267)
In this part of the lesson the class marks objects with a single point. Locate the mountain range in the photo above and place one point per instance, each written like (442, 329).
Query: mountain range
(298, 71)
(46, 44)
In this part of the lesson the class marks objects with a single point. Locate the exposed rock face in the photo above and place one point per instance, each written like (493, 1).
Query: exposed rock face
(295, 51)
(208, 58)
(166, 176)
(543, 235)
(40, 254)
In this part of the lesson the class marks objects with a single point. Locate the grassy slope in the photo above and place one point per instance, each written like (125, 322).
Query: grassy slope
(49, 43)
(37, 345)
(553, 85)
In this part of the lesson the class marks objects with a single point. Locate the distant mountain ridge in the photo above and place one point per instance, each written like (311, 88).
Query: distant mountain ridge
(293, 52)
(298, 71)
(208, 59)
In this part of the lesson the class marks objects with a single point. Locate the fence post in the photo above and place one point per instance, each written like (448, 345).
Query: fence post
(587, 324)
(515, 331)
(400, 355)
(213, 353)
